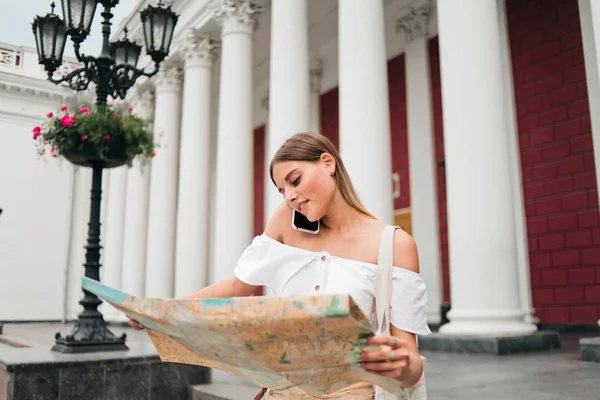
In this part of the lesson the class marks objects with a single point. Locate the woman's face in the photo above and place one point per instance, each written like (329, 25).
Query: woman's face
(308, 187)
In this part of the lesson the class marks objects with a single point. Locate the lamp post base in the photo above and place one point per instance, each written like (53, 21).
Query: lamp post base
(89, 335)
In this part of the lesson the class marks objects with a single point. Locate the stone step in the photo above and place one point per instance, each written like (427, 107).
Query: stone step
(223, 391)
(490, 344)
(224, 387)
(589, 349)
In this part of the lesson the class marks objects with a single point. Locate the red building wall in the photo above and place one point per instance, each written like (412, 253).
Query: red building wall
(399, 128)
(259, 186)
(557, 160)
(330, 116)
(438, 130)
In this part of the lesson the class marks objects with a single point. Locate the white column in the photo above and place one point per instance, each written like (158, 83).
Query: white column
(191, 256)
(267, 184)
(589, 14)
(82, 183)
(316, 72)
(136, 208)
(481, 225)
(521, 240)
(113, 246)
(163, 185)
(289, 110)
(234, 185)
(365, 142)
(421, 155)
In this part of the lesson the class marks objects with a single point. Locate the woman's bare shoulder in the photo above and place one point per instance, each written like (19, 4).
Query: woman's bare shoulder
(405, 251)
(279, 225)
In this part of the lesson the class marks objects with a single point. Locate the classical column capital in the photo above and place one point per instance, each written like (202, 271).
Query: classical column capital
(316, 72)
(414, 19)
(143, 97)
(236, 15)
(169, 78)
(199, 50)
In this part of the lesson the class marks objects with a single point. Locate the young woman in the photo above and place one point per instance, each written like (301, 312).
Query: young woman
(341, 258)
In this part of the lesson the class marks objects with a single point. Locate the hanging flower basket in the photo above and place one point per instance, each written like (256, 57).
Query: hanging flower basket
(95, 136)
(88, 154)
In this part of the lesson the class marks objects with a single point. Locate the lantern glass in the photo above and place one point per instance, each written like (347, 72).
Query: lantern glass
(125, 52)
(147, 24)
(159, 24)
(38, 31)
(120, 55)
(50, 38)
(167, 34)
(78, 16)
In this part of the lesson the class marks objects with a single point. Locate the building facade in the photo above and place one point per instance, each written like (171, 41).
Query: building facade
(467, 123)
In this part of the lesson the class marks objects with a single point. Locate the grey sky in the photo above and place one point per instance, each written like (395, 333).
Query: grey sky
(16, 18)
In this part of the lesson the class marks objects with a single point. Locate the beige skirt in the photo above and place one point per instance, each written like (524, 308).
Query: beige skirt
(359, 391)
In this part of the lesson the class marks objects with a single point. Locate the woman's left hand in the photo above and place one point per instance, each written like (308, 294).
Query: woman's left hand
(392, 361)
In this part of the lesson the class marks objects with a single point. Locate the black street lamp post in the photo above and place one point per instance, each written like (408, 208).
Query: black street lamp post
(113, 72)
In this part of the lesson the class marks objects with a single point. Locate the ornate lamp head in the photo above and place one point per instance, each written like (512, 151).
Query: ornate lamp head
(50, 38)
(78, 16)
(159, 24)
(125, 52)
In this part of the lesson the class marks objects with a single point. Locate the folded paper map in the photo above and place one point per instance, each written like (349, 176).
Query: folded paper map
(302, 344)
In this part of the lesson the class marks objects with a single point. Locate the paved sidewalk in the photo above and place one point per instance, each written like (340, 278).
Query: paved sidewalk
(558, 375)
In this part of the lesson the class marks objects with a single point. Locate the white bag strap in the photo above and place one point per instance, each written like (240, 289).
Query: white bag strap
(383, 290)
(383, 296)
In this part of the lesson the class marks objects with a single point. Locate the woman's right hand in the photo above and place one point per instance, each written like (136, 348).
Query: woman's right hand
(134, 324)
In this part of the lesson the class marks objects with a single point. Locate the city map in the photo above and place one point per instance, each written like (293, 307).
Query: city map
(301, 344)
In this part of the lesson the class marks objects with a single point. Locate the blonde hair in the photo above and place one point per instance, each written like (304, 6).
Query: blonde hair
(308, 146)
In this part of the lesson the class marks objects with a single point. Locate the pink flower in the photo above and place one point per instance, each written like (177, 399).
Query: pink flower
(50, 114)
(152, 155)
(83, 110)
(130, 109)
(67, 121)
(53, 149)
(36, 135)
(54, 155)
(84, 138)
(74, 117)
(64, 108)
(89, 115)
(37, 129)
(107, 138)
(116, 116)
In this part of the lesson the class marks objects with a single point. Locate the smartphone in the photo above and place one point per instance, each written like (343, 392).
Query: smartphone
(301, 223)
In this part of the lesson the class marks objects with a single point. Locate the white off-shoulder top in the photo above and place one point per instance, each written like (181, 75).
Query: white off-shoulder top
(292, 271)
